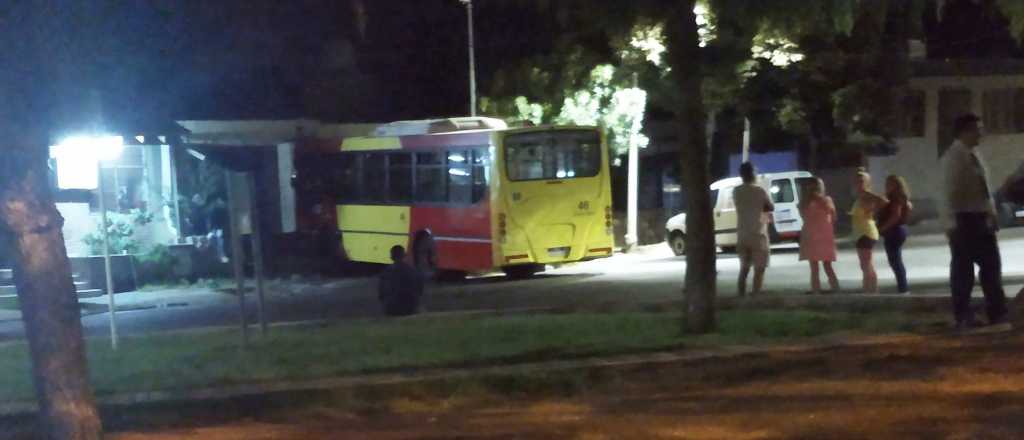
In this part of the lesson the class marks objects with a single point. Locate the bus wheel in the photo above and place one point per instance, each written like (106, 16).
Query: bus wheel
(425, 256)
(523, 271)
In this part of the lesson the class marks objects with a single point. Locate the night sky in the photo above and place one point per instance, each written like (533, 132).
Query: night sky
(343, 60)
(231, 59)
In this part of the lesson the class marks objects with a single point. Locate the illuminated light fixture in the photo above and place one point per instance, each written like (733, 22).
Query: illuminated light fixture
(141, 139)
(78, 158)
(456, 158)
(196, 154)
(458, 172)
(163, 140)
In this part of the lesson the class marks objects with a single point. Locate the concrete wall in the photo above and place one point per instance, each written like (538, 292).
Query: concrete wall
(78, 222)
(918, 159)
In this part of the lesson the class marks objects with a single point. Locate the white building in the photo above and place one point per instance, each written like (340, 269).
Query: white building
(939, 92)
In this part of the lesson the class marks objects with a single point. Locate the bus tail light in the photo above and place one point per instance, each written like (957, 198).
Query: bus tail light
(502, 227)
(608, 225)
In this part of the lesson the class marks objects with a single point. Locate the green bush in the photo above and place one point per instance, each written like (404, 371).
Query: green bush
(121, 233)
(157, 265)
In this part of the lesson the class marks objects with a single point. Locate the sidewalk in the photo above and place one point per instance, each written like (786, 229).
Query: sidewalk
(186, 296)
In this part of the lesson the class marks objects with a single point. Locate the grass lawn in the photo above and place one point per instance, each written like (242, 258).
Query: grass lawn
(193, 359)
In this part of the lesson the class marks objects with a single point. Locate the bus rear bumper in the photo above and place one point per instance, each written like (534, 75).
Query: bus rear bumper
(557, 256)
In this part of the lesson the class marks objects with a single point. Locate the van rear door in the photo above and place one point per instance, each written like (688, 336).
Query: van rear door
(787, 210)
(726, 221)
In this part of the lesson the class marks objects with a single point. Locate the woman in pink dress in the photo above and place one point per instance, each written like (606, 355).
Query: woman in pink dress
(817, 238)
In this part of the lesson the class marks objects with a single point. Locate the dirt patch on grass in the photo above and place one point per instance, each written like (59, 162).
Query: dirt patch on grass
(936, 388)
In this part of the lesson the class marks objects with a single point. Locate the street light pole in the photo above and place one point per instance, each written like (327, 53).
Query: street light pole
(106, 257)
(472, 57)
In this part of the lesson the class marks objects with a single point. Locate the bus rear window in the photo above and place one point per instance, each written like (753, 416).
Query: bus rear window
(553, 155)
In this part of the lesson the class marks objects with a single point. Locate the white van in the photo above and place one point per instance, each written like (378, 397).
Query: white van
(784, 189)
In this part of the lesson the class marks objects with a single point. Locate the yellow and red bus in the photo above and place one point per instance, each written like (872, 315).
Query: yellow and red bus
(470, 195)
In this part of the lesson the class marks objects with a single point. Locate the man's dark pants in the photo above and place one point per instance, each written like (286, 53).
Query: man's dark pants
(972, 242)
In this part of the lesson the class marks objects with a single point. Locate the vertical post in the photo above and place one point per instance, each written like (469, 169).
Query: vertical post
(746, 140)
(117, 190)
(633, 176)
(106, 257)
(257, 250)
(173, 165)
(236, 252)
(633, 182)
(472, 58)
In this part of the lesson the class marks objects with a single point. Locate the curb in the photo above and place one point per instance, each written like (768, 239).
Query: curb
(23, 408)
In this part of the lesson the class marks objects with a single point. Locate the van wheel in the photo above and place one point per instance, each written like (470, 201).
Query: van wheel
(522, 271)
(677, 241)
(425, 256)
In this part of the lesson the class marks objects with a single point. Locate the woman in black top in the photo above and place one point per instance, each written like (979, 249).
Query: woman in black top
(892, 221)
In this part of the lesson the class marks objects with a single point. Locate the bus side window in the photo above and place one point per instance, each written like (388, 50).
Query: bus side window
(399, 178)
(430, 178)
(374, 173)
(460, 178)
(481, 174)
(340, 173)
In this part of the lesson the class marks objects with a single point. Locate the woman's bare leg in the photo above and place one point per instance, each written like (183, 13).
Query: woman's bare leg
(867, 266)
(833, 280)
(815, 278)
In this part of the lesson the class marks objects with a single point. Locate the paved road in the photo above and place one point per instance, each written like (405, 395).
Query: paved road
(650, 276)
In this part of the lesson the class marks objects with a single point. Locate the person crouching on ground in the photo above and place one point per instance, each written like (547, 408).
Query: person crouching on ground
(818, 238)
(400, 286)
(753, 212)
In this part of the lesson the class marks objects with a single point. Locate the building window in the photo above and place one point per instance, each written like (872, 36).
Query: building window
(1003, 111)
(912, 114)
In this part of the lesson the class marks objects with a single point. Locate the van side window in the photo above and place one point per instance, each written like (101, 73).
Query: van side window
(782, 191)
(726, 202)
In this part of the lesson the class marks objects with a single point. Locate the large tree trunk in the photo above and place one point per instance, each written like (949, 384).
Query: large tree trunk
(684, 57)
(46, 292)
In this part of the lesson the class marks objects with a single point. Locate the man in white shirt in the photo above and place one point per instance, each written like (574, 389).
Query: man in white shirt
(753, 208)
(970, 217)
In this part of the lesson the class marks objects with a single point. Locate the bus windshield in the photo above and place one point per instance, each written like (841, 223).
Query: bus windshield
(553, 155)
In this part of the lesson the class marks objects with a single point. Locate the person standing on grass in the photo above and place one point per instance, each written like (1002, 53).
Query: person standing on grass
(817, 238)
(753, 212)
(865, 230)
(400, 286)
(970, 220)
(893, 220)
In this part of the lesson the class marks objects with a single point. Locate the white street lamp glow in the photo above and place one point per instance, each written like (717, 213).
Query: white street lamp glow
(99, 147)
(78, 158)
